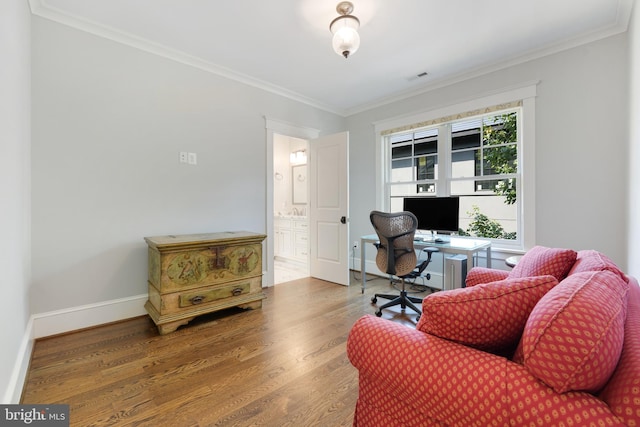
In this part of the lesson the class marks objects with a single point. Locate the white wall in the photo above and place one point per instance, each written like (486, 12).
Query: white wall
(634, 143)
(281, 166)
(14, 189)
(581, 144)
(108, 124)
(283, 188)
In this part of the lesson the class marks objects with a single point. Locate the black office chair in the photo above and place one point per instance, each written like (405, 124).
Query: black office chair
(397, 231)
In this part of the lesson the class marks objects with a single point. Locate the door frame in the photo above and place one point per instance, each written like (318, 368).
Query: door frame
(280, 127)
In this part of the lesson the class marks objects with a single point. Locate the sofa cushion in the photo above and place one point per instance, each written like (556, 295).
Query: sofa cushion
(541, 260)
(574, 335)
(590, 260)
(489, 316)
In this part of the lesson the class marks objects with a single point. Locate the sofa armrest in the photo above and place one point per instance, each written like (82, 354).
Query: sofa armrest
(447, 383)
(443, 381)
(478, 275)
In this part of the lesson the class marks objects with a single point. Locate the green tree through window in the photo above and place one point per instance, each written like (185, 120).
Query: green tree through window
(503, 159)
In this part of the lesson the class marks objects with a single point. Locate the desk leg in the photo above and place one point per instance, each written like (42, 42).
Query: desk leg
(363, 263)
(489, 257)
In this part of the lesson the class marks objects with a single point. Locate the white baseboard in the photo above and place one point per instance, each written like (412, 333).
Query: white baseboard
(85, 316)
(13, 392)
(371, 267)
(67, 320)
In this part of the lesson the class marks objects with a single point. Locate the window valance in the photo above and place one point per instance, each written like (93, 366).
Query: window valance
(453, 117)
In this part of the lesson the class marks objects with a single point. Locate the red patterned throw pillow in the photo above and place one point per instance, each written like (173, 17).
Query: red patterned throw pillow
(590, 260)
(489, 316)
(540, 261)
(573, 338)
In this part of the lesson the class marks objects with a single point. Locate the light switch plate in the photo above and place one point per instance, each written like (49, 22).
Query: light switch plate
(193, 158)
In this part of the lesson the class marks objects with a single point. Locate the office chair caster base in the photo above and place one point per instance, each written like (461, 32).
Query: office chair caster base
(374, 300)
(379, 313)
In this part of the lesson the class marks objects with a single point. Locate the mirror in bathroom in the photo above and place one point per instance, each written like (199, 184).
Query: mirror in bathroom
(299, 180)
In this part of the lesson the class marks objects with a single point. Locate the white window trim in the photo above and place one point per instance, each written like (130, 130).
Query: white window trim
(526, 161)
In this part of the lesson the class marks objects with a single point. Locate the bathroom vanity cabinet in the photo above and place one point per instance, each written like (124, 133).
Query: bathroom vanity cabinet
(292, 238)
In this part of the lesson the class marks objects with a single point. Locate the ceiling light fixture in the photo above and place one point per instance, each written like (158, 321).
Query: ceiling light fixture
(346, 40)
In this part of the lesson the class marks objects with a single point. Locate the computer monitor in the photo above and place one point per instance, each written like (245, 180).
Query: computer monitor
(440, 214)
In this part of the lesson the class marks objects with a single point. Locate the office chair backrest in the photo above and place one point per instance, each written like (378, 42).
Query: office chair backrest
(395, 231)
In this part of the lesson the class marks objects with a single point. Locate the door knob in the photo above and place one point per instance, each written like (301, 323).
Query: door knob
(343, 220)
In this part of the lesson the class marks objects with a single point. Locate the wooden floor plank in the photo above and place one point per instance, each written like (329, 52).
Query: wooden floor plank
(282, 365)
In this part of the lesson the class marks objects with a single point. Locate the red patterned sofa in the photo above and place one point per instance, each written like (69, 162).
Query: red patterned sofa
(554, 342)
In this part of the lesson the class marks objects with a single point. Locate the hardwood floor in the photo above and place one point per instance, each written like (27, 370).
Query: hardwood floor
(282, 365)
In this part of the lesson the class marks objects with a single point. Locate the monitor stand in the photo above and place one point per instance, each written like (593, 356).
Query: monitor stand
(428, 236)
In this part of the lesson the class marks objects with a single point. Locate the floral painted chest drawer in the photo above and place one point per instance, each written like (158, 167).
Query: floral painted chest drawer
(194, 274)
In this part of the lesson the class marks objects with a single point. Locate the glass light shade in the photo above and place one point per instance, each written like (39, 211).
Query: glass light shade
(346, 39)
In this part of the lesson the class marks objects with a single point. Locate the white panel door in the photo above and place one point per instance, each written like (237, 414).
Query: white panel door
(329, 208)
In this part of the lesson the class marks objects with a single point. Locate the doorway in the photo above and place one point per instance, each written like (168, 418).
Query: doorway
(279, 130)
(324, 186)
(291, 207)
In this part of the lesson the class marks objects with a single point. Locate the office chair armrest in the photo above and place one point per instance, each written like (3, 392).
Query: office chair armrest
(430, 250)
(423, 265)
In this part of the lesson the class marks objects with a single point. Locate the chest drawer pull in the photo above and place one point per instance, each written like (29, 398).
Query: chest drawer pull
(236, 292)
(197, 299)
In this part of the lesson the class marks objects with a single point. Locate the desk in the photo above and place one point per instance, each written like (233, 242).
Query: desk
(452, 245)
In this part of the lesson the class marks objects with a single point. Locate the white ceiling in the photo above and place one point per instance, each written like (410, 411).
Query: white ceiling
(285, 45)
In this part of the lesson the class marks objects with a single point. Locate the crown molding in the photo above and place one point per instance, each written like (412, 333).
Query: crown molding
(42, 9)
(621, 25)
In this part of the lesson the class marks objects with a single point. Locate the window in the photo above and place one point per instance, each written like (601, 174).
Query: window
(414, 157)
(477, 155)
(484, 173)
